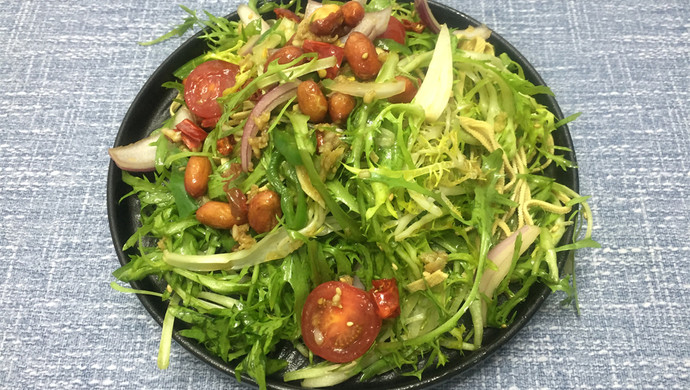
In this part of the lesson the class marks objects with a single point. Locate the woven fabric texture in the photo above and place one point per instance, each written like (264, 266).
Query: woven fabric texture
(69, 71)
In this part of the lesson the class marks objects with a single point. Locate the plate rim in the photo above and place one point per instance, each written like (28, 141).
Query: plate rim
(538, 292)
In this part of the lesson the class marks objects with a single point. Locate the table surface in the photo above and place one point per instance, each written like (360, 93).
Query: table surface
(69, 71)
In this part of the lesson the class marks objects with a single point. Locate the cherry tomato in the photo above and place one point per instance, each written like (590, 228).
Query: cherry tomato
(339, 322)
(205, 84)
(395, 31)
(386, 297)
(325, 50)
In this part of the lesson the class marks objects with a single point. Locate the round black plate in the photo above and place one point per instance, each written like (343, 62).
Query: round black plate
(150, 109)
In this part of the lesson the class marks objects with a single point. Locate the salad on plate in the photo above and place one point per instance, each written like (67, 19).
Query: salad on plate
(352, 179)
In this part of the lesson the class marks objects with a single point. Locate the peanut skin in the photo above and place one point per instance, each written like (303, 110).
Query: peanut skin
(340, 106)
(311, 101)
(196, 176)
(217, 215)
(264, 210)
(361, 55)
(328, 25)
(238, 204)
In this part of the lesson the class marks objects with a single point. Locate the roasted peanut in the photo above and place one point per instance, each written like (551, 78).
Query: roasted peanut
(323, 11)
(340, 106)
(328, 25)
(362, 57)
(196, 175)
(311, 101)
(264, 210)
(284, 55)
(407, 95)
(341, 31)
(217, 215)
(353, 13)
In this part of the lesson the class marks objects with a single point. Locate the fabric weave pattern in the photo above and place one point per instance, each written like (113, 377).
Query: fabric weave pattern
(70, 70)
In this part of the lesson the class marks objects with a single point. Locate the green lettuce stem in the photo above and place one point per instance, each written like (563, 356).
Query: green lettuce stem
(350, 227)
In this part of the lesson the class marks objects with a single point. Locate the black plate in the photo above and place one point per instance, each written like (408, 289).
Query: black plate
(150, 109)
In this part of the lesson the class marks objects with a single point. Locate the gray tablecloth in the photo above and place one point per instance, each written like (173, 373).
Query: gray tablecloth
(69, 71)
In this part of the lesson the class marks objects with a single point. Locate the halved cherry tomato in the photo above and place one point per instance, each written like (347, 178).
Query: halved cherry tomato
(395, 31)
(205, 84)
(386, 297)
(339, 322)
(325, 50)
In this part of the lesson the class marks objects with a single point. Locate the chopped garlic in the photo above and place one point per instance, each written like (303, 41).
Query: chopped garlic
(434, 261)
(429, 279)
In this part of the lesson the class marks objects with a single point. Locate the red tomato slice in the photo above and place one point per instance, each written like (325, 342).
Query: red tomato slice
(386, 297)
(205, 84)
(395, 31)
(339, 322)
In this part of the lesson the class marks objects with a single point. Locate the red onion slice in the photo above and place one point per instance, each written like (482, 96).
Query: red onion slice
(502, 256)
(425, 15)
(139, 156)
(247, 15)
(268, 102)
(311, 7)
(372, 25)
